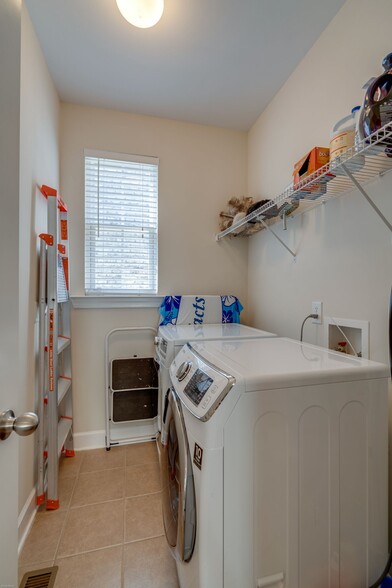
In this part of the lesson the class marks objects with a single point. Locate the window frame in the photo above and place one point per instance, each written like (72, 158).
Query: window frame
(131, 158)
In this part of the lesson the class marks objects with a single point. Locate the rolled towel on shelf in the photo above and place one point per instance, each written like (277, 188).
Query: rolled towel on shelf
(239, 216)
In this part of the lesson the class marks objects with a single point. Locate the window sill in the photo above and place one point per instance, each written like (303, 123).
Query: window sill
(81, 302)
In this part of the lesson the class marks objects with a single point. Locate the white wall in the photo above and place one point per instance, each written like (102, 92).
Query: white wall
(39, 164)
(200, 168)
(344, 249)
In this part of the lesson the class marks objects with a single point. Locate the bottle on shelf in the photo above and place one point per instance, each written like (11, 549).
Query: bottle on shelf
(344, 135)
(377, 107)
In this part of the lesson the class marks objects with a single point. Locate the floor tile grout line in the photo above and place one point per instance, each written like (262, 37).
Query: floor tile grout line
(100, 470)
(67, 511)
(142, 495)
(118, 467)
(124, 497)
(122, 578)
(134, 462)
(122, 581)
(132, 541)
(68, 556)
(97, 503)
(125, 500)
(142, 462)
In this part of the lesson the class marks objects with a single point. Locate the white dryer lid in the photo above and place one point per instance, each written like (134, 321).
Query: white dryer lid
(285, 363)
(181, 334)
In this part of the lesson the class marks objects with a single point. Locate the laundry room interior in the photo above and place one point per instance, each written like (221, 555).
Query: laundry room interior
(233, 457)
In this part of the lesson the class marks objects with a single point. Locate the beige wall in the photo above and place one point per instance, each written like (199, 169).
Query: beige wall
(39, 164)
(200, 168)
(344, 250)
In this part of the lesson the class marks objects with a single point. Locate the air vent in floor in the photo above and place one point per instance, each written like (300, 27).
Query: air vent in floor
(39, 578)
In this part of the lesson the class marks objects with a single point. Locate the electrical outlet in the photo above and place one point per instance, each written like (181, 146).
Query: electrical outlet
(317, 308)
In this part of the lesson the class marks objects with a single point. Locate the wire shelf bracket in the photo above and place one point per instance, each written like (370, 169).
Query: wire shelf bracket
(278, 238)
(366, 195)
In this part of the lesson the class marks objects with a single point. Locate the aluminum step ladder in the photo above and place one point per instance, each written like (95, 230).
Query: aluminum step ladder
(55, 435)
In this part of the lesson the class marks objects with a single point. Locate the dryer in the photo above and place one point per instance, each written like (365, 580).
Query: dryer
(171, 338)
(275, 466)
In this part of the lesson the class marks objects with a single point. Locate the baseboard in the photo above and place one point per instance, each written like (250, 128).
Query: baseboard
(89, 440)
(26, 519)
(136, 433)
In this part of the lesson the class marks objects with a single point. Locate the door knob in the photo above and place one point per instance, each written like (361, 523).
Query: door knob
(23, 425)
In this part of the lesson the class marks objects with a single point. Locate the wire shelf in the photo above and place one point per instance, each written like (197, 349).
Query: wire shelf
(358, 165)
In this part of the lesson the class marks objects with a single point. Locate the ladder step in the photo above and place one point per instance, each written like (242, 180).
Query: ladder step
(62, 343)
(64, 428)
(64, 385)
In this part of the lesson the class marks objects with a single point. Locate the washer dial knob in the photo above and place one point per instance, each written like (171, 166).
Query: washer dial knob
(183, 370)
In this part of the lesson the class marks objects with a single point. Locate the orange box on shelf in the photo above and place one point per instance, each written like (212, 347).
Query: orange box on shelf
(311, 162)
(307, 165)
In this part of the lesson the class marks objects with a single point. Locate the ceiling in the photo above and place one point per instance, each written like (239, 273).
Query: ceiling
(215, 62)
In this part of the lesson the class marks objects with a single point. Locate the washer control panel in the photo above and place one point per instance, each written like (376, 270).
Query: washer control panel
(200, 385)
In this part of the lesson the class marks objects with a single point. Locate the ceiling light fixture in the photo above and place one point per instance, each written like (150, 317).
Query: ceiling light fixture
(141, 13)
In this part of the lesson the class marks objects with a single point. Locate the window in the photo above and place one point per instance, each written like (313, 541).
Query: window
(121, 224)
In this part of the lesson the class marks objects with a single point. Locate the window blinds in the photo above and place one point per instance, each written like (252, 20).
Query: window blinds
(121, 224)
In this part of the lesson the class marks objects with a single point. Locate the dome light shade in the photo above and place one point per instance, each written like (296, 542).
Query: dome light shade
(141, 13)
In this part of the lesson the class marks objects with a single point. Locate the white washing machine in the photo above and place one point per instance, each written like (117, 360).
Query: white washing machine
(275, 466)
(171, 338)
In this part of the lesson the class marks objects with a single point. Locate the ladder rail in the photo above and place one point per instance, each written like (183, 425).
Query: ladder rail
(52, 328)
(41, 375)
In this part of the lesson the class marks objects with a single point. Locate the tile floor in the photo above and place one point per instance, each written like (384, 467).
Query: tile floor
(108, 531)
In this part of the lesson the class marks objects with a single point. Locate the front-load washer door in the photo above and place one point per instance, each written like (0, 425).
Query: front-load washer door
(178, 489)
